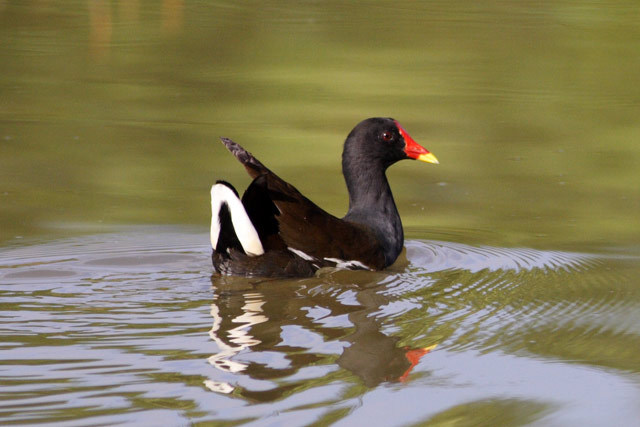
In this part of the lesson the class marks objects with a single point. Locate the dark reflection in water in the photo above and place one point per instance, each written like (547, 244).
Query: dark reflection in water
(262, 321)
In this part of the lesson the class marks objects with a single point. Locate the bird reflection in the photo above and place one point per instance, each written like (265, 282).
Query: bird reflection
(267, 336)
(376, 357)
(236, 338)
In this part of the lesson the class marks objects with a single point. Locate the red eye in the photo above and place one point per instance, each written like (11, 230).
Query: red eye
(387, 136)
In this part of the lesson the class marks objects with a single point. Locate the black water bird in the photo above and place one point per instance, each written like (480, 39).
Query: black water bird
(275, 231)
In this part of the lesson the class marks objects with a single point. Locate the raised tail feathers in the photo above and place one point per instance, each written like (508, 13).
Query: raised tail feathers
(253, 166)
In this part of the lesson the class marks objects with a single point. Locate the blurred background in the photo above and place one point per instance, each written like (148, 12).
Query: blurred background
(110, 111)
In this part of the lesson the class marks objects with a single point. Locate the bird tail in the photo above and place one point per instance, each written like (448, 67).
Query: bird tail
(231, 227)
(253, 166)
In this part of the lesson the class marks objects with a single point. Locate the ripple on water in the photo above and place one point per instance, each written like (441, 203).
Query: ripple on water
(438, 256)
(492, 295)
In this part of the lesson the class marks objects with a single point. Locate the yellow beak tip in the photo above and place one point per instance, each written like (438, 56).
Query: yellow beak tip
(428, 158)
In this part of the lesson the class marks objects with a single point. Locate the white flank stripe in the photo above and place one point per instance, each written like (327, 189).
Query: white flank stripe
(347, 264)
(301, 254)
(242, 225)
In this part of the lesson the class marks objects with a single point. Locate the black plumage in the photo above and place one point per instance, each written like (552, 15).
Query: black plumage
(298, 236)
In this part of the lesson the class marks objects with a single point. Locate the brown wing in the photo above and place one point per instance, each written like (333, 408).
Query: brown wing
(298, 223)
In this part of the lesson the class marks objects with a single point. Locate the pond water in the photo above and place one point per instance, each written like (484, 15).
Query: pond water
(517, 300)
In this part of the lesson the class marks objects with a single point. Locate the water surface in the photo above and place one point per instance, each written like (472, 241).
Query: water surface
(144, 333)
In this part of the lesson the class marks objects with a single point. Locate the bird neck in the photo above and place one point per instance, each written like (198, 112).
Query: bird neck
(368, 188)
(371, 204)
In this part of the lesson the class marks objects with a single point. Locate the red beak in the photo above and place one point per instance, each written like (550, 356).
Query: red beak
(414, 150)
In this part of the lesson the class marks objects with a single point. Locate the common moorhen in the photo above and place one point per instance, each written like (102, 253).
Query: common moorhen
(277, 232)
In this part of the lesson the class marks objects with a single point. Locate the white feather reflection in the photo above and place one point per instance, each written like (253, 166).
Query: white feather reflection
(238, 338)
(235, 339)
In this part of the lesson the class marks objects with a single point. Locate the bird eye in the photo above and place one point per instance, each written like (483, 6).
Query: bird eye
(387, 136)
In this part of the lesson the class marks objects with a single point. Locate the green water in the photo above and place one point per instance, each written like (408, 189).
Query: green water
(522, 244)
